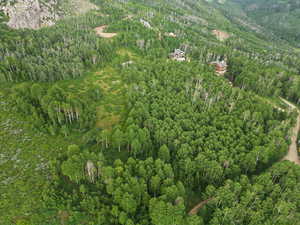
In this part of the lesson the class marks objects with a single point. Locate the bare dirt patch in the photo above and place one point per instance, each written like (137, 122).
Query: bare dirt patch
(100, 32)
(221, 35)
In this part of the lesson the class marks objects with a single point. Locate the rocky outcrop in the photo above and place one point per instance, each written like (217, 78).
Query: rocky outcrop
(31, 13)
(34, 14)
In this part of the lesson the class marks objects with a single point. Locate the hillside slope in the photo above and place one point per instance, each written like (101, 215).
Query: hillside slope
(120, 116)
(281, 17)
(34, 14)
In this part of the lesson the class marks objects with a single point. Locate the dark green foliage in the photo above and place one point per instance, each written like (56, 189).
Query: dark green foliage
(133, 138)
(270, 198)
(200, 119)
(127, 191)
(52, 105)
(264, 80)
(282, 17)
(52, 54)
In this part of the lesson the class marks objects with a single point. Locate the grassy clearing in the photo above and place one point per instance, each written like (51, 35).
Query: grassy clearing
(113, 103)
(112, 107)
(126, 53)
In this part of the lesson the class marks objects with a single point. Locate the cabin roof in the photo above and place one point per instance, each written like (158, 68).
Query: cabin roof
(219, 63)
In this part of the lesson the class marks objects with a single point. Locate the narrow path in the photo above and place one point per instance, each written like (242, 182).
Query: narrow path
(196, 209)
(292, 154)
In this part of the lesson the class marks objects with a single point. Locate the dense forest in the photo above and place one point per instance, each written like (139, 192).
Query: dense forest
(98, 125)
(281, 17)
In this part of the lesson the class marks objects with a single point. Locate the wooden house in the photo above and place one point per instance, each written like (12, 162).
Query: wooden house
(178, 55)
(220, 67)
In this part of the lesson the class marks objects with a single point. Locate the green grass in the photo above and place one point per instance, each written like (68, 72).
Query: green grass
(113, 104)
(111, 107)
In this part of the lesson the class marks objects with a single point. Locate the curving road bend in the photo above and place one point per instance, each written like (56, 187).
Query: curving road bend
(100, 32)
(292, 154)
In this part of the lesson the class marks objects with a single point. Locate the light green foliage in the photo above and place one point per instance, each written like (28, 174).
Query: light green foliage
(163, 213)
(164, 153)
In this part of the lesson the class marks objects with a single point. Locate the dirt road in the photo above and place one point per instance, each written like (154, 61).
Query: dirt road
(99, 31)
(292, 154)
(196, 209)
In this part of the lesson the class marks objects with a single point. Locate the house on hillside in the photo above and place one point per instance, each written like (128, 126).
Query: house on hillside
(145, 23)
(171, 34)
(220, 67)
(178, 55)
(127, 64)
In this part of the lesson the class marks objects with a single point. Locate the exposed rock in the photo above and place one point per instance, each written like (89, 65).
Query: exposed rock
(129, 17)
(34, 14)
(30, 14)
(252, 7)
(140, 43)
(195, 19)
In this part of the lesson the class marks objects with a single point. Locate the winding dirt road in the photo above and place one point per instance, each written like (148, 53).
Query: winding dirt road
(196, 209)
(292, 154)
(99, 31)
